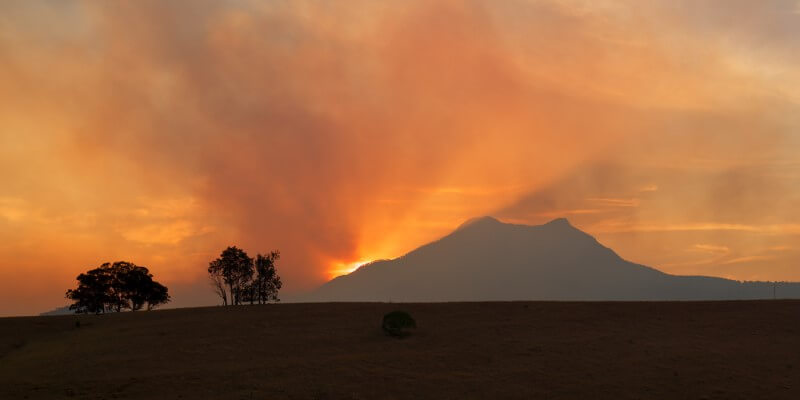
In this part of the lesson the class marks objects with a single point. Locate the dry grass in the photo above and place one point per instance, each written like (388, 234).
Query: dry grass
(713, 350)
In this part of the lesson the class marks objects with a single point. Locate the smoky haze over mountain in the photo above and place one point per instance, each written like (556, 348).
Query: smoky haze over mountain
(485, 260)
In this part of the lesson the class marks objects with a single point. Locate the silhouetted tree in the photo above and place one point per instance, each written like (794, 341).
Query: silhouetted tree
(157, 295)
(93, 293)
(266, 283)
(127, 280)
(117, 286)
(244, 279)
(248, 292)
(396, 323)
(235, 268)
(135, 284)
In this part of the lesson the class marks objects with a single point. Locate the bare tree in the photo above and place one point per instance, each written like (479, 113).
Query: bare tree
(218, 284)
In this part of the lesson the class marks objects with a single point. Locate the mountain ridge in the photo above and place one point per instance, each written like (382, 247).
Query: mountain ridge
(485, 259)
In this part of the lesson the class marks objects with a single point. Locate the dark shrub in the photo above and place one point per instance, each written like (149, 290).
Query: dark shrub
(396, 322)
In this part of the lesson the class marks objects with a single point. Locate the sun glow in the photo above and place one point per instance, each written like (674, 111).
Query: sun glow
(344, 268)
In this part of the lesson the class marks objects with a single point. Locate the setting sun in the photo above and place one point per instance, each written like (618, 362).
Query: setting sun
(344, 268)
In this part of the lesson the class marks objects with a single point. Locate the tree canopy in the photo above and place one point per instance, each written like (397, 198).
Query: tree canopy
(396, 323)
(117, 287)
(238, 278)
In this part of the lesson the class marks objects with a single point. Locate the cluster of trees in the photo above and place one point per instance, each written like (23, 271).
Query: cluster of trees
(238, 278)
(117, 287)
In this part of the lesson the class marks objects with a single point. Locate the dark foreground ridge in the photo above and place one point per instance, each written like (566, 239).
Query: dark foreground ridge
(530, 350)
(488, 260)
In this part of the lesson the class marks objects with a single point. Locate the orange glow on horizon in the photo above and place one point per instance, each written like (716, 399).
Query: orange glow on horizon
(339, 135)
(344, 268)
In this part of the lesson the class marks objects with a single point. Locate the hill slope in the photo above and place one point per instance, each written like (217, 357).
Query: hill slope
(487, 260)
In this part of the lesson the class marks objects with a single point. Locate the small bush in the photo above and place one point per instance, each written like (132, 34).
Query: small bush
(395, 323)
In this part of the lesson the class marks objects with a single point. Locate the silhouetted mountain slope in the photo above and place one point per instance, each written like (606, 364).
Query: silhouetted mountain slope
(58, 311)
(485, 259)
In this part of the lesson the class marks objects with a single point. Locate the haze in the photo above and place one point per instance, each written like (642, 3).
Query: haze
(343, 132)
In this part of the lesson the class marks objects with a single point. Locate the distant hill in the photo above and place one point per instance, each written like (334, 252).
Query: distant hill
(485, 260)
(58, 311)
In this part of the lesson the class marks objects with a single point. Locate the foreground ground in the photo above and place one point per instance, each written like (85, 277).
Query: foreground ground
(713, 350)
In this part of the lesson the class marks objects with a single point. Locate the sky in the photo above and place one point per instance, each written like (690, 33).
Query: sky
(342, 132)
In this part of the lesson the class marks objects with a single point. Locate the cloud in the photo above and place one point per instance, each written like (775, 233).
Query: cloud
(710, 248)
(161, 133)
(12, 209)
(747, 259)
(774, 229)
(745, 207)
(611, 202)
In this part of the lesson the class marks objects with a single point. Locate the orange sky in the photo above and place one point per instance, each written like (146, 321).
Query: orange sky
(340, 132)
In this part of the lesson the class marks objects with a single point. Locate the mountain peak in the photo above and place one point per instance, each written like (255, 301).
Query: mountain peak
(488, 222)
(479, 221)
(559, 222)
(561, 226)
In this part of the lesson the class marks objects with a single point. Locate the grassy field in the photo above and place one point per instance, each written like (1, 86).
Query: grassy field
(707, 350)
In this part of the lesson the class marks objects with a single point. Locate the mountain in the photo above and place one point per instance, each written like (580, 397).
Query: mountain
(58, 311)
(488, 260)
